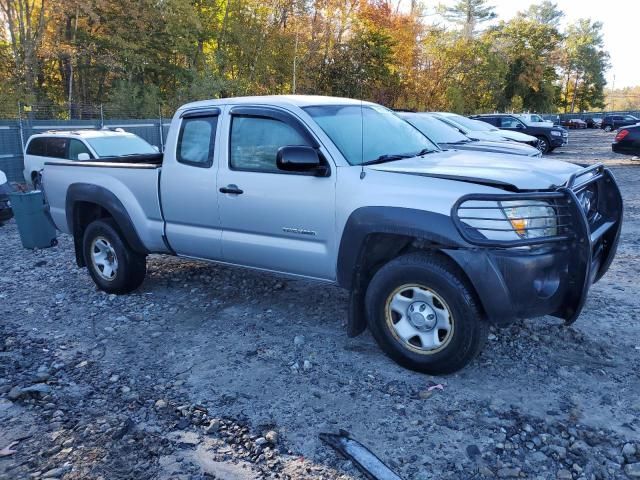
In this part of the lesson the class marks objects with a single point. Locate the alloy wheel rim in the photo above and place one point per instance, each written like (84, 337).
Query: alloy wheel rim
(104, 259)
(419, 319)
(542, 145)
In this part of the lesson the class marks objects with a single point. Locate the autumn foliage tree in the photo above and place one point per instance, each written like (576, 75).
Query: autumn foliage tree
(133, 56)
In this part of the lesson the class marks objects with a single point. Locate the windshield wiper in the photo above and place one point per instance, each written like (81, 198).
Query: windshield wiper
(424, 151)
(387, 158)
(397, 156)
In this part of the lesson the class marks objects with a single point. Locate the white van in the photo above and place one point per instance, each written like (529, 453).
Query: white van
(79, 145)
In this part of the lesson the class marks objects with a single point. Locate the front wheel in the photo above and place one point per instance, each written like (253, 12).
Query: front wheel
(543, 145)
(112, 264)
(423, 314)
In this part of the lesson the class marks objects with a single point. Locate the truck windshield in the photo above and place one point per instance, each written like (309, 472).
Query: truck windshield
(369, 132)
(436, 130)
(120, 145)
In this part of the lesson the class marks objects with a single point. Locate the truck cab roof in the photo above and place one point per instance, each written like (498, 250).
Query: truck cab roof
(278, 100)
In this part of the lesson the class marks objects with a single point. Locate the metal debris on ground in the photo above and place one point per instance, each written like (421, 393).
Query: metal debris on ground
(367, 462)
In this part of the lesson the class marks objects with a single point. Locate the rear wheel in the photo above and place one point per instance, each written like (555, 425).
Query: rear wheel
(608, 128)
(543, 144)
(112, 264)
(423, 314)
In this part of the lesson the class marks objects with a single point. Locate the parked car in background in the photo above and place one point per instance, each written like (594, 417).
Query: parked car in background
(448, 137)
(613, 122)
(80, 145)
(627, 141)
(5, 206)
(593, 122)
(533, 119)
(432, 245)
(478, 130)
(576, 123)
(550, 137)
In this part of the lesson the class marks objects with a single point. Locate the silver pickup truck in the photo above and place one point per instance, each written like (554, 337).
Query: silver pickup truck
(433, 245)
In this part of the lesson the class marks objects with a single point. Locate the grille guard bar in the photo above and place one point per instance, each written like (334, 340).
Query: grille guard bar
(590, 248)
(563, 198)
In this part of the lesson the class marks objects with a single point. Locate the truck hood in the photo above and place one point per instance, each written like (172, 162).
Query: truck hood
(511, 172)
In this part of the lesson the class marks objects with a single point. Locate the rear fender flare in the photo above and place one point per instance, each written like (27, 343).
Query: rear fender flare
(100, 196)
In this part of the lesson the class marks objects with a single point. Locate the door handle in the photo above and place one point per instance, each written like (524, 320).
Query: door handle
(233, 189)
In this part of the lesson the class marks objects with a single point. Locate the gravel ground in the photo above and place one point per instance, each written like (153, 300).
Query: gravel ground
(215, 372)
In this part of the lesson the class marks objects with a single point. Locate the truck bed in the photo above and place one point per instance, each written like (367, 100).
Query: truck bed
(133, 181)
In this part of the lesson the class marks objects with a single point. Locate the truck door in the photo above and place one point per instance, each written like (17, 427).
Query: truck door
(271, 219)
(188, 190)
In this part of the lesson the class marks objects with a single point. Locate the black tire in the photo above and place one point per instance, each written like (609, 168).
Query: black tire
(608, 128)
(131, 266)
(543, 144)
(432, 272)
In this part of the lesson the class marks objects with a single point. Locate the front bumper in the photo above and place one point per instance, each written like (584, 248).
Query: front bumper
(560, 141)
(552, 275)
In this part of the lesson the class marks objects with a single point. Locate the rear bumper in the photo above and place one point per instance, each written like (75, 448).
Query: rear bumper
(625, 148)
(552, 278)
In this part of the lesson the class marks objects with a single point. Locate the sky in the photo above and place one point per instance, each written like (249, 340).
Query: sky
(620, 29)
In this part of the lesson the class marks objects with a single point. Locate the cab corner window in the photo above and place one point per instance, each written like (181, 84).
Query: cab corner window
(195, 143)
(255, 142)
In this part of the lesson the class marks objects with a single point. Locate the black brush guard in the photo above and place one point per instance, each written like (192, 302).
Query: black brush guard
(588, 243)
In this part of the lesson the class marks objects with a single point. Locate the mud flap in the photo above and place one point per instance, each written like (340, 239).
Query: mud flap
(357, 321)
(367, 462)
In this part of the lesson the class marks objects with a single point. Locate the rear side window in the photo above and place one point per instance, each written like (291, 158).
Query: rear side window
(492, 120)
(37, 147)
(56, 147)
(255, 142)
(76, 147)
(196, 141)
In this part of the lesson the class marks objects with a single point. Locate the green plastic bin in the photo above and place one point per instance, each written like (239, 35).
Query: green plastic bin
(34, 224)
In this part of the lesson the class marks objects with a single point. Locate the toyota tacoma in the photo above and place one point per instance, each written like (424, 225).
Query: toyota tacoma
(433, 246)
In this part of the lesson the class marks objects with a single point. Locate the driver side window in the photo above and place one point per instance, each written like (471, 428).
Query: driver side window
(76, 147)
(255, 142)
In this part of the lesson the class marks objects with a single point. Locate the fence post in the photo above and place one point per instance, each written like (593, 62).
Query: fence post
(101, 117)
(20, 128)
(161, 129)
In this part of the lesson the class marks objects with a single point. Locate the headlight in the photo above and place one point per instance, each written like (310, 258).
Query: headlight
(531, 218)
(555, 133)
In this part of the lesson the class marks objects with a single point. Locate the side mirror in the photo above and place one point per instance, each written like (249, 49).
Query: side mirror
(519, 126)
(299, 159)
(84, 156)
(3, 178)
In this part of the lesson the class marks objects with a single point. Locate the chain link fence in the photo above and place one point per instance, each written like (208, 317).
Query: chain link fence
(19, 123)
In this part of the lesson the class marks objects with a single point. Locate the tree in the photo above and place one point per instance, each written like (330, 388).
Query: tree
(584, 63)
(546, 13)
(25, 23)
(469, 14)
(530, 49)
